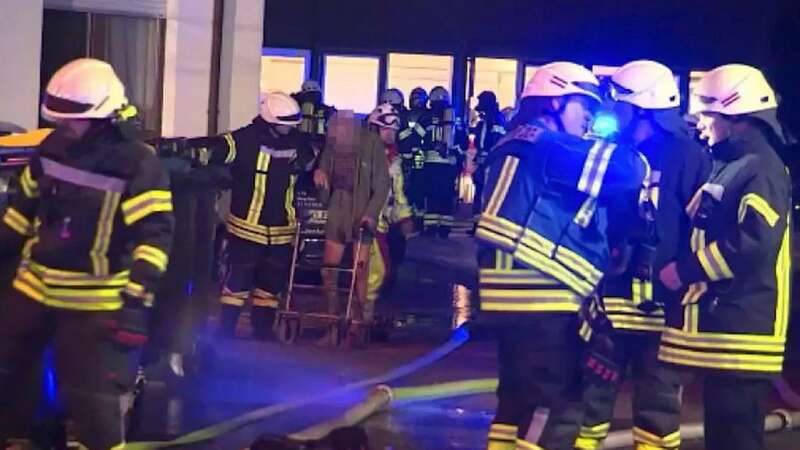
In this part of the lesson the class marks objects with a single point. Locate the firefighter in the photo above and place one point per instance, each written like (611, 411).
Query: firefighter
(397, 236)
(315, 114)
(94, 227)
(395, 214)
(543, 250)
(445, 147)
(646, 103)
(265, 158)
(732, 329)
(353, 180)
(411, 142)
(489, 130)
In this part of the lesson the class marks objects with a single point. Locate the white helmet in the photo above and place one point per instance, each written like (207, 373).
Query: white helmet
(85, 88)
(385, 116)
(562, 78)
(440, 94)
(393, 96)
(311, 86)
(278, 108)
(733, 89)
(646, 84)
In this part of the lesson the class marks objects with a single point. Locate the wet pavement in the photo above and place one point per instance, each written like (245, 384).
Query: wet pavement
(239, 376)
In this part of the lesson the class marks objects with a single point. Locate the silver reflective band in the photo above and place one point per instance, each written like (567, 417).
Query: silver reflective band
(82, 177)
(287, 153)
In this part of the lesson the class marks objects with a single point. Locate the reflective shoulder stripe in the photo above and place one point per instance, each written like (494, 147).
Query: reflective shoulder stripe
(29, 186)
(82, 177)
(503, 184)
(146, 203)
(760, 206)
(231, 148)
(594, 169)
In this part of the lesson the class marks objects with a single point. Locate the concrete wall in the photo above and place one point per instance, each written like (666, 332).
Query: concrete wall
(187, 67)
(240, 68)
(20, 51)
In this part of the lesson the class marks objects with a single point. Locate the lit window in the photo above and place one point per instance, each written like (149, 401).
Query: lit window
(498, 76)
(408, 71)
(351, 82)
(529, 71)
(284, 69)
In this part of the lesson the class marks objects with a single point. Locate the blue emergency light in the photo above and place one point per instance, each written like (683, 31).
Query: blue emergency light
(605, 125)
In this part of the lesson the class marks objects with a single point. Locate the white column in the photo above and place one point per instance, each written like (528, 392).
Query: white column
(187, 67)
(240, 68)
(21, 52)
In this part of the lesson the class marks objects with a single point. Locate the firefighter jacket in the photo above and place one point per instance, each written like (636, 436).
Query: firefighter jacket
(488, 133)
(315, 114)
(445, 139)
(545, 211)
(264, 167)
(634, 300)
(411, 138)
(736, 310)
(95, 218)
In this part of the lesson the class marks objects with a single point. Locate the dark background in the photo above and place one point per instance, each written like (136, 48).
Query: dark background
(686, 35)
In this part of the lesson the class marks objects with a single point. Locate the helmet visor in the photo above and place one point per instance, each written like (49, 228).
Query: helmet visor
(65, 106)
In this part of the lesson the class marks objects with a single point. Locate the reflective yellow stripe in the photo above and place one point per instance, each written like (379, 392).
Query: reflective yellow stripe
(259, 187)
(728, 341)
(233, 298)
(289, 203)
(146, 203)
(503, 233)
(17, 222)
(26, 249)
(639, 323)
(714, 263)
(783, 275)
(504, 181)
(553, 268)
(75, 298)
(135, 289)
(29, 186)
(624, 305)
(597, 431)
(578, 264)
(102, 238)
(590, 166)
(503, 445)
(231, 148)
(727, 361)
(584, 215)
(57, 277)
(642, 291)
(523, 444)
(152, 255)
(586, 443)
(264, 299)
(654, 442)
(759, 205)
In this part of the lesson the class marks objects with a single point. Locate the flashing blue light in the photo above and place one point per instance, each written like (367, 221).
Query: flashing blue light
(50, 391)
(605, 125)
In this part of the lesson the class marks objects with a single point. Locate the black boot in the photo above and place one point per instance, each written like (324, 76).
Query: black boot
(263, 319)
(228, 318)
